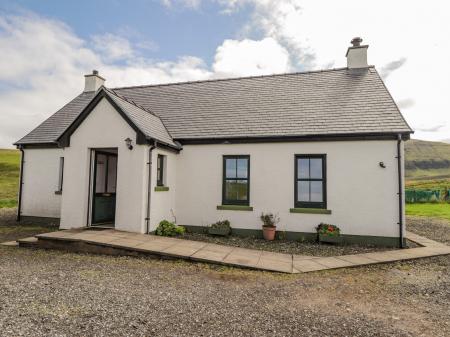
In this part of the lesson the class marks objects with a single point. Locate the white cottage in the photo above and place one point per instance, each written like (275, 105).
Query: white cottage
(318, 146)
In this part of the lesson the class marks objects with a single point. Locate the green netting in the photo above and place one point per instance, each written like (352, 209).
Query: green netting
(412, 196)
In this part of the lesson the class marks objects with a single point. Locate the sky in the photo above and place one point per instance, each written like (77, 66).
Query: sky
(47, 47)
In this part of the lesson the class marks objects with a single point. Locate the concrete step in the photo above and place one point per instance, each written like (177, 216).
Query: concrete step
(10, 244)
(28, 242)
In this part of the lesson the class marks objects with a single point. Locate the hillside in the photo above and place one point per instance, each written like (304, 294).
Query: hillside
(427, 160)
(9, 177)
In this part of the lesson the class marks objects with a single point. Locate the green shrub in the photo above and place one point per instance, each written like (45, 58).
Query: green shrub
(167, 228)
(328, 230)
(225, 224)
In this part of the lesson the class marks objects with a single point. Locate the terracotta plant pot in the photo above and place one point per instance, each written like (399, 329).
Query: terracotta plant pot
(269, 233)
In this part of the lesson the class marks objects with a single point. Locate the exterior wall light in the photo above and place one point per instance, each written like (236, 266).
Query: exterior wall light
(382, 165)
(129, 144)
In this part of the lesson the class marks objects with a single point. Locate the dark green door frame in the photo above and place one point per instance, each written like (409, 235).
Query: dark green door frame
(103, 202)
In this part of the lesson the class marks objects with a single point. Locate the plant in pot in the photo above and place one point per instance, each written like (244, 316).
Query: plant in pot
(269, 226)
(329, 233)
(220, 228)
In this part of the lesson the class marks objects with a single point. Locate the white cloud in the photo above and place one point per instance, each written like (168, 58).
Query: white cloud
(112, 47)
(42, 65)
(193, 4)
(249, 57)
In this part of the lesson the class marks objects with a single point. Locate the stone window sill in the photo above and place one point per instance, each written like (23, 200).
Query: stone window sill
(161, 188)
(310, 210)
(234, 208)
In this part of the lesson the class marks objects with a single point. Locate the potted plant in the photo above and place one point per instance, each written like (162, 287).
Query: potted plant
(220, 228)
(269, 225)
(329, 233)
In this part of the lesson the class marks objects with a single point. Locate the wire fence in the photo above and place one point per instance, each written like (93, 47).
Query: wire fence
(422, 196)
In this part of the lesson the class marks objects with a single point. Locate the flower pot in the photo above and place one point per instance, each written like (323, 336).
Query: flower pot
(219, 231)
(269, 233)
(330, 239)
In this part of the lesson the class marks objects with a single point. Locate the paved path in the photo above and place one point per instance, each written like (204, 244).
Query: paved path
(240, 257)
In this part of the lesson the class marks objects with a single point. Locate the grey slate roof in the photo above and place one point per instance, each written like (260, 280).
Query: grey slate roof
(54, 126)
(329, 102)
(148, 123)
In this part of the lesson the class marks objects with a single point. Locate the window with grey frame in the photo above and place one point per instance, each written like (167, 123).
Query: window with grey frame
(60, 175)
(310, 181)
(160, 161)
(236, 180)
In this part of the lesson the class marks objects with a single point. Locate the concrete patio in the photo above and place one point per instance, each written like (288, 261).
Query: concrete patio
(114, 242)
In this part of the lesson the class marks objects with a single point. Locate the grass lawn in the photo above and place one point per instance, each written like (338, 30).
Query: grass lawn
(430, 210)
(9, 177)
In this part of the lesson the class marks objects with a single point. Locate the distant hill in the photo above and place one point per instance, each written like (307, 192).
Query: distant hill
(427, 160)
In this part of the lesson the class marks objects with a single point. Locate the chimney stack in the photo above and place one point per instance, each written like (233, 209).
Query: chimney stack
(93, 82)
(357, 54)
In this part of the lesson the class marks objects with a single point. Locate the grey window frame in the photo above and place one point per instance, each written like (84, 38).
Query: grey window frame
(60, 175)
(311, 204)
(160, 159)
(226, 201)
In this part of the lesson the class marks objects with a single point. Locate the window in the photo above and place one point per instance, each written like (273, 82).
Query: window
(160, 170)
(236, 180)
(310, 181)
(61, 174)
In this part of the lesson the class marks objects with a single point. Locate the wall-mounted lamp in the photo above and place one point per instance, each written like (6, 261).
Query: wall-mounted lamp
(129, 144)
(382, 164)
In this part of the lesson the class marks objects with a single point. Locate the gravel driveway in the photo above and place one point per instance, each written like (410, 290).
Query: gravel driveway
(52, 293)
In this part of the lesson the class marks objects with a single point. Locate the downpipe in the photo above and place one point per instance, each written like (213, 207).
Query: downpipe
(400, 190)
(19, 197)
(149, 188)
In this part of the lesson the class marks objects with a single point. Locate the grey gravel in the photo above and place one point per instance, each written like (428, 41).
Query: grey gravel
(285, 246)
(53, 293)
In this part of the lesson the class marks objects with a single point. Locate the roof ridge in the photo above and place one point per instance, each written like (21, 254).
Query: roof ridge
(232, 78)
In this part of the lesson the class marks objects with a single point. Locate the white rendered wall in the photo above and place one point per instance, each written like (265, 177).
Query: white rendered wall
(361, 195)
(105, 128)
(40, 181)
(163, 202)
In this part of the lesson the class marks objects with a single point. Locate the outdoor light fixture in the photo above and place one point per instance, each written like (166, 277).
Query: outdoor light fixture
(382, 165)
(129, 144)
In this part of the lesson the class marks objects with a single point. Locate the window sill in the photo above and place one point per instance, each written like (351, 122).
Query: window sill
(234, 208)
(58, 192)
(161, 188)
(310, 210)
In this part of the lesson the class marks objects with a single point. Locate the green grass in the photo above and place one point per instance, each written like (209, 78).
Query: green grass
(9, 177)
(427, 160)
(430, 184)
(441, 210)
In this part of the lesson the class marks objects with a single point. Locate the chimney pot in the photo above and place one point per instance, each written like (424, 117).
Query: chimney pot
(357, 54)
(93, 82)
(356, 41)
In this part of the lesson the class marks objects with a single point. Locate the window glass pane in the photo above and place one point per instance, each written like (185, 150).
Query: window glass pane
(316, 191)
(303, 168)
(316, 168)
(230, 168)
(302, 190)
(100, 180)
(242, 166)
(112, 173)
(236, 190)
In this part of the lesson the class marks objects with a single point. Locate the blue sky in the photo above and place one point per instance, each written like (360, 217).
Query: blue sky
(47, 47)
(170, 31)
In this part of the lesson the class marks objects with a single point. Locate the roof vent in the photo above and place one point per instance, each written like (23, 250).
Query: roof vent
(93, 82)
(357, 54)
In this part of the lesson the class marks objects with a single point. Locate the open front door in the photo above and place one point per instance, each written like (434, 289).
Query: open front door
(104, 188)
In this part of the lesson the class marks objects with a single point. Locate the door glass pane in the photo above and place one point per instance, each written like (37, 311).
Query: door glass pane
(242, 166)
(316, 191)
(303, 168)
(316, 168)
(236, 190)
(230, 168)
(100, 179)
(303, 190)
(112, 174)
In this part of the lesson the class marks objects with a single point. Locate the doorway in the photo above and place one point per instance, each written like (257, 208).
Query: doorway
(104, 188)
